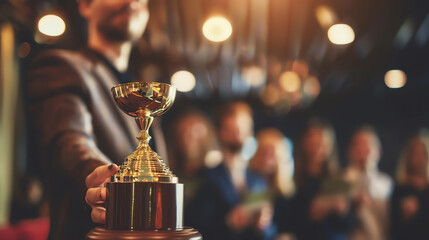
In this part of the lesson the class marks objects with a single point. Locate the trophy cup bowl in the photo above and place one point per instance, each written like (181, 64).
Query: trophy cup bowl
(144, 200)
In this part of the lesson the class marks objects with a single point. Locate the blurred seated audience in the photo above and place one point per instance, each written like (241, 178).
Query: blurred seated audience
(28, 202)
(225, 207)
(29, 218)
(410, 199)
(28, 229)
(320, 208)
(191, 145)
(371, 188)
(272, 160)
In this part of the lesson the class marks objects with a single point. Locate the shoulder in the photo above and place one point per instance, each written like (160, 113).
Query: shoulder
(54, 70)
(58, 56)
(213, 174)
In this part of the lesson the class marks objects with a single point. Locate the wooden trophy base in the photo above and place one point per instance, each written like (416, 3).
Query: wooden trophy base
(100, 233)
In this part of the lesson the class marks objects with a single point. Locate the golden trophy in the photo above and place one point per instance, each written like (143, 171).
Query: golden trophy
(145, 200)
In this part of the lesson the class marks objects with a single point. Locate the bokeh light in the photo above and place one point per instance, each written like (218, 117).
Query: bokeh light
(270, 95)
(300, 67)
(217, 29)
(311, 87)
(341, 34)
(395, 78)
(213, 158)
(325, 16)
(253, 75)
(51, 25)
(184, 81)
(289, 81)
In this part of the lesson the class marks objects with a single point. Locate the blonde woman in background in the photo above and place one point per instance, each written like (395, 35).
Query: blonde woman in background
(410, 199)
(371, 188)
(273, 161)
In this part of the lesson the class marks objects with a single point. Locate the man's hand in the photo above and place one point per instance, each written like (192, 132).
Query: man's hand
(96, 194)
(238, 218)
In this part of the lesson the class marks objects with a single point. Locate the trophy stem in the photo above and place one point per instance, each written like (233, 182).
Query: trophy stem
(144, 125)
(144, 164)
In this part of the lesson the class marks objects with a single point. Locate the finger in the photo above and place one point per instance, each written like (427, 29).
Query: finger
(99, 175)
(98, 215)
(96, 195)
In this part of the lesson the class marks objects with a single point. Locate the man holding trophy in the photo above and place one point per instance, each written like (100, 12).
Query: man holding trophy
(80, 133)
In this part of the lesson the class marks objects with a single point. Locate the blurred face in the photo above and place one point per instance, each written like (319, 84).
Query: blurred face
(364, 151)
(235, 129)
(191, 136)
(266, 157)
(117, 20)
(316, 146)
(417, 157)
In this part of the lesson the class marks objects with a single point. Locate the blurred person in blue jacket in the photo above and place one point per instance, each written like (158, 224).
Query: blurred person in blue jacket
(225, 207)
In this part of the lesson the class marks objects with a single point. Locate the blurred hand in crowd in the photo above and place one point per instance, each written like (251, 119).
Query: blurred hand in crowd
(264, 217)
(409, 207)
(259, 217)
(97, 192)
(323, 206)
(363, 198)
(239, 218)
(340, 204)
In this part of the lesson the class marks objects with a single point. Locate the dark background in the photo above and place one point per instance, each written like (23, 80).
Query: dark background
(390, 34)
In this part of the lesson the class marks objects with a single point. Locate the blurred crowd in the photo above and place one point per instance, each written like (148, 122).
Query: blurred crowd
(299, 192)
(285, 191)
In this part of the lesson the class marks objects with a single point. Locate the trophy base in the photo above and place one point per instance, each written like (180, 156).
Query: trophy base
(144, 206)
(186, 233)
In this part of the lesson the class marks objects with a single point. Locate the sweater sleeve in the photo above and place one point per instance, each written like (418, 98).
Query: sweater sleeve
(58, 102)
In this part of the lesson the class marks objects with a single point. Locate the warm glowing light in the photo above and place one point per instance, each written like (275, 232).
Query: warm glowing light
(311, 87)
(341, 34)
(213, 158)
(395, 78)
(52, 25)
(184, 81)
(253, 75)
(217, 29)
(270, 95)
(290, 81)
(325, 16)
(300, 67)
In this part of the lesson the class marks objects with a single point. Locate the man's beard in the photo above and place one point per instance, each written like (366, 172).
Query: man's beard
(115, 34)
(234, 147)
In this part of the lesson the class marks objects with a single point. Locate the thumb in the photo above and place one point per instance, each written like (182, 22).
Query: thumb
(100, 174)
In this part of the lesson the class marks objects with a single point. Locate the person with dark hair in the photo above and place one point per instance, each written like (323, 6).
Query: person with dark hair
(410, 199)
(320, 208)
(77, 127)
(371, 188)
(192, 147)
(225, 206)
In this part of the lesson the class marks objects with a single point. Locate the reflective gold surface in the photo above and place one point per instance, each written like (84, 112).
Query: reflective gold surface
(144, 206)
(144, 101)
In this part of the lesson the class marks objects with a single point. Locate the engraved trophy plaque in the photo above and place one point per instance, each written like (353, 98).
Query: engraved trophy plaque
(145, 199)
